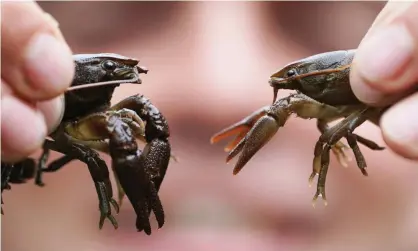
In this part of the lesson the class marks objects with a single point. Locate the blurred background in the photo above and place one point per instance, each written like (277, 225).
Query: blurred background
(209, 64)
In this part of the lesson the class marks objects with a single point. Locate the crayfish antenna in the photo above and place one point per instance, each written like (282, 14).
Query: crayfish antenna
(99, 84)
(275, 92)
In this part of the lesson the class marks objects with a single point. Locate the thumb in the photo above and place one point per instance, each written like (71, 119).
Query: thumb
(386, 62)
(385, 69)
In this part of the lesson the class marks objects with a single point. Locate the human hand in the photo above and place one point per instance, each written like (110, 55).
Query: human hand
(385, 68)
(36, 69)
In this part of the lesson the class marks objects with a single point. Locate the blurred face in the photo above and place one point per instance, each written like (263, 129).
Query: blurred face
(209, 63)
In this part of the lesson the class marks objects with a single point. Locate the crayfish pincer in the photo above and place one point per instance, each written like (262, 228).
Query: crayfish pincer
(323, 92)
(91, 125)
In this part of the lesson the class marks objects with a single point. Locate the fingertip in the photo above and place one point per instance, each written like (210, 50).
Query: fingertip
(23, 129)
(387, 58)
(49, 66)
(363, 91)
(400, 127)
(53, 112)
(39, 61)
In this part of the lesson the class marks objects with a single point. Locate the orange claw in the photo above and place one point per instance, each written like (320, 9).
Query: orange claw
(237, 140)
(259, 135)
(252, 133)
(236, 129)
(237, 149)
(240, 129)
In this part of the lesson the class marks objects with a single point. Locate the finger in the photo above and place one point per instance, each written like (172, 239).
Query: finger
(53, 112)
(23, 129)
(386, 61)
(36, 61)
(400, 127)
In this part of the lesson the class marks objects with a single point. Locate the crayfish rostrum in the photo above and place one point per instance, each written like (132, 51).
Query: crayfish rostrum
(90, 124)
(323, 93)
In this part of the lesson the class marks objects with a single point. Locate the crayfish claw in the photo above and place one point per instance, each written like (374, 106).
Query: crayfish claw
(239, 128)
(238, 139)
(264, 129)
(139, 173)
(142, 222)
(254, 131)
(235, 129)
(155, 160)
(136, 185)
(238, 148)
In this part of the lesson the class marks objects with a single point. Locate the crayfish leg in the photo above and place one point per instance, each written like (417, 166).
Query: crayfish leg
(333, 135)
(322, 175)
(98, 171)
(339, 149)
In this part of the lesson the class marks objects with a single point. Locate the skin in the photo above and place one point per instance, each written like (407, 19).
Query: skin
(243, 213)
(385, 69)
(36, 68)
(18, 95)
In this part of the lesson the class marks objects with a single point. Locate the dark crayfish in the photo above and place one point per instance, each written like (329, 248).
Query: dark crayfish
(323, 92)
(91, 124)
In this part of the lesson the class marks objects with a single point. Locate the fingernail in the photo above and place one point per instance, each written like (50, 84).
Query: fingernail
(49, 64)
(385, 54)
(53, 111)
(400, 126)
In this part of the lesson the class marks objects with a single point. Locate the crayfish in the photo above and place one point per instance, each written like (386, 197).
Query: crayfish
(90, 124)
(323, 93)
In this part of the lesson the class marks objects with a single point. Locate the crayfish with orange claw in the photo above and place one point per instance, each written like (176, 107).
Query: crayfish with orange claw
(323, 93)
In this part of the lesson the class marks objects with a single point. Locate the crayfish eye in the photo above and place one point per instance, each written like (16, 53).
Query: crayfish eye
(291, 73)
(109, 65)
